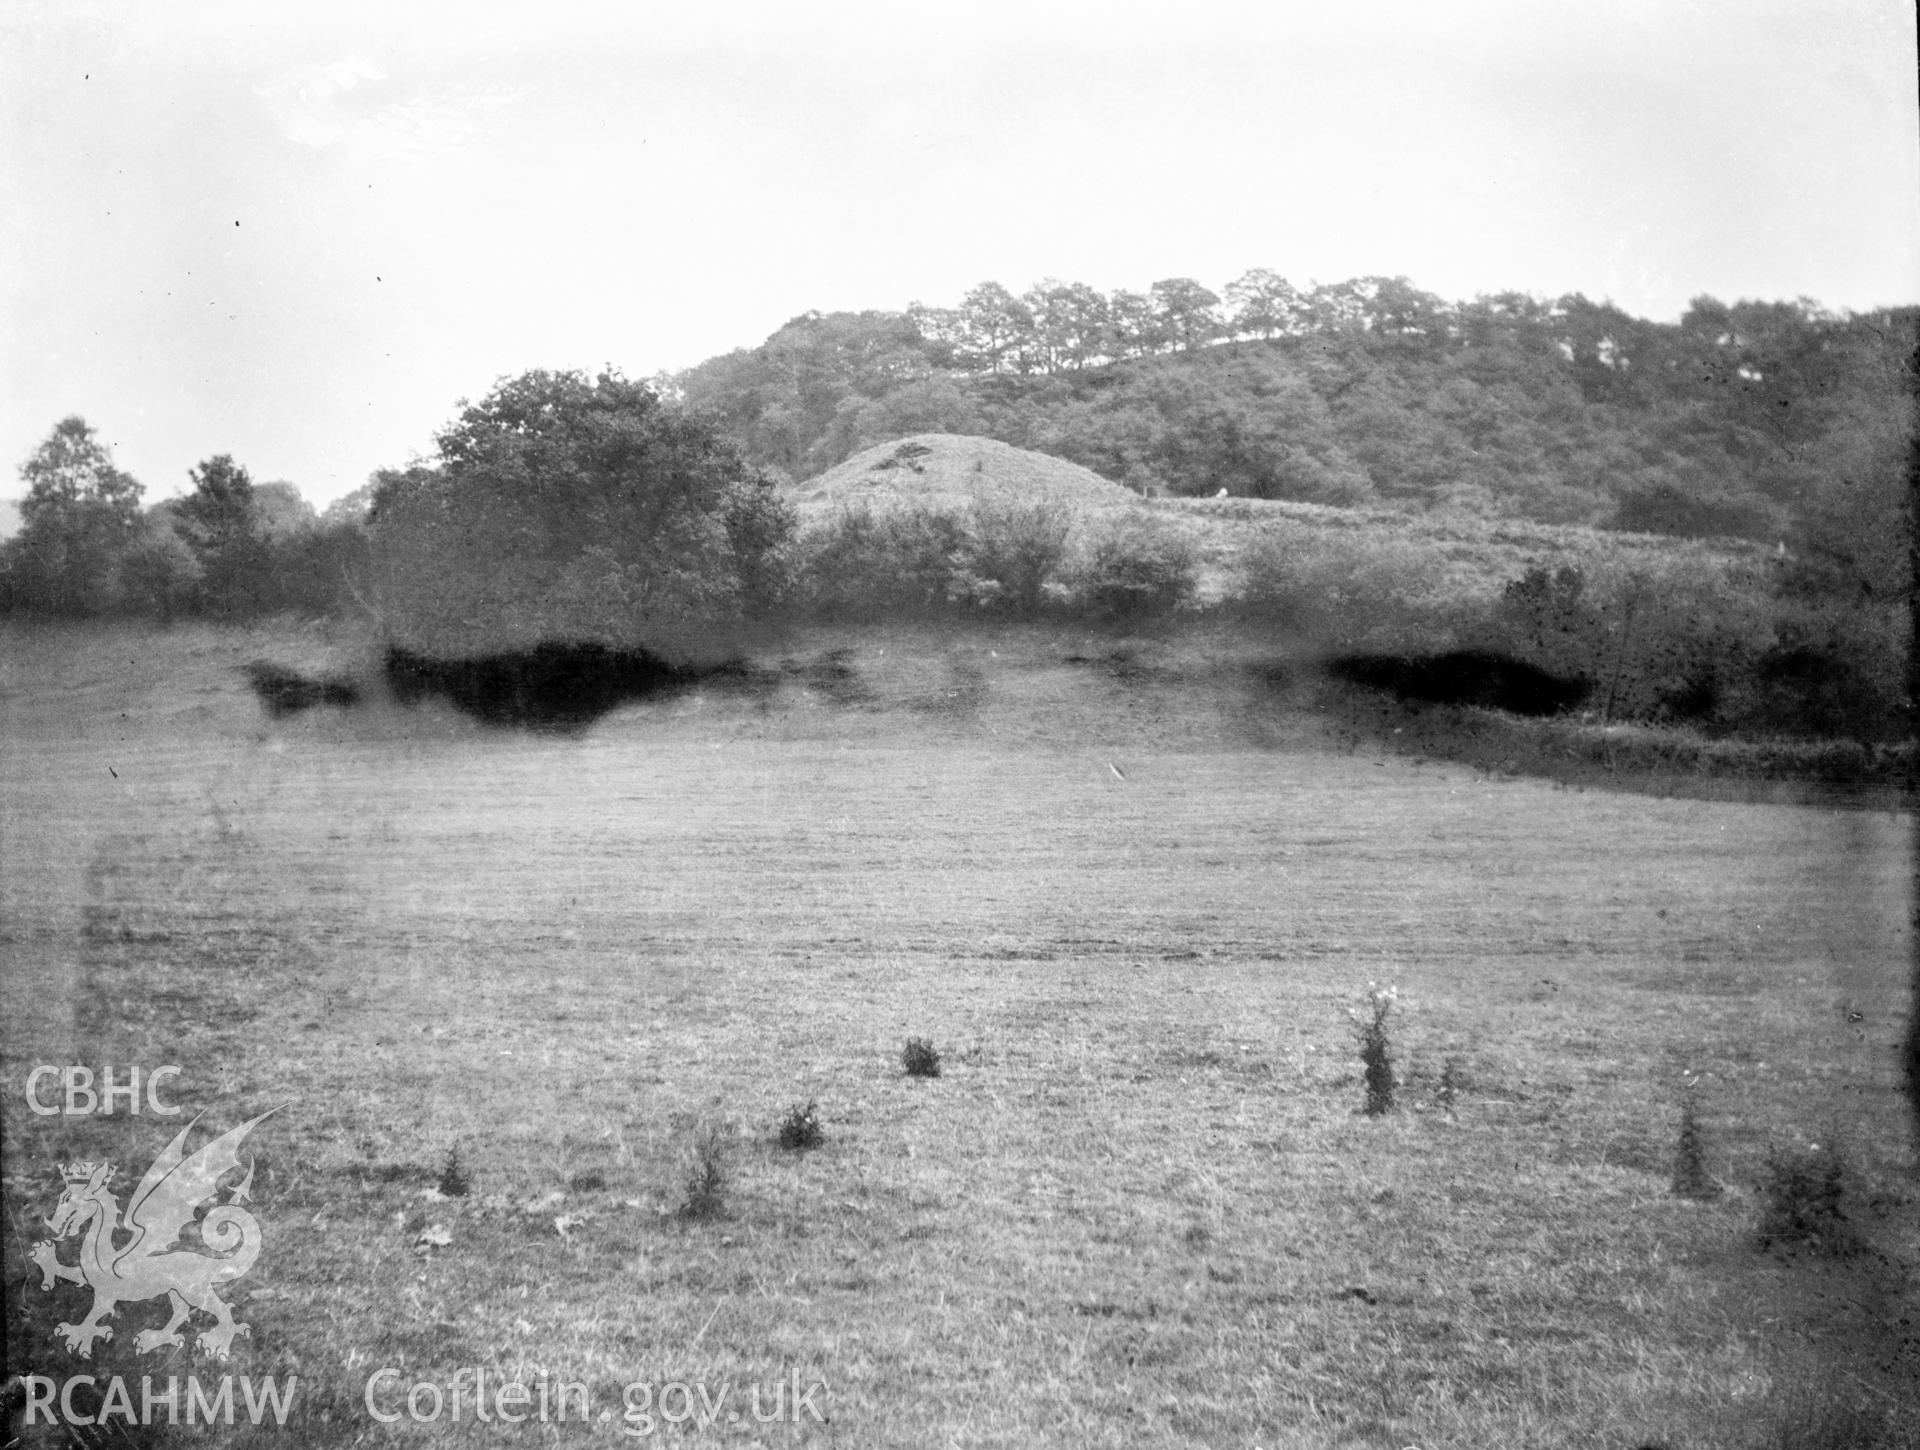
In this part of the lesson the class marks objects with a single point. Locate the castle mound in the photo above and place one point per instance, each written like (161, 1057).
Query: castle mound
(951, 471)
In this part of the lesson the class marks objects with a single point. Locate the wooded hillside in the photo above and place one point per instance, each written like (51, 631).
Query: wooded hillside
(1763, 420)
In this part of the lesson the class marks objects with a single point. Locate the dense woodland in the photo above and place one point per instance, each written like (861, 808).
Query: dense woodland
(1757, 419)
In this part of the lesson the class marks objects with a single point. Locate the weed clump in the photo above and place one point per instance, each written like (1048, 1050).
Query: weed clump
(587, 1180)
(1690, 1176)
(1376, 1049)
(1801, 1203)
(707, 1176)
(455, 1180)
(800, 1128)
(920, 1058)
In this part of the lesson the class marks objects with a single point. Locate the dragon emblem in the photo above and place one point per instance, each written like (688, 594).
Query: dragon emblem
(124, 1259)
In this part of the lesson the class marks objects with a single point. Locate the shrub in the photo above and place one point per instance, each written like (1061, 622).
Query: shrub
(1364, 592)
(1011, 553)
(1802, 1193)
(706, 1177)
(1137, 570)
(1376, 1050)
(867, 563)
(1830, 672)
(920, 1058)
(158, 574)
(1661, 508)
(455, 1180)
(1669, 643)
(1546, 618)
(800, 1128)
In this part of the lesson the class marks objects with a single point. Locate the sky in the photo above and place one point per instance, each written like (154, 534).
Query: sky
(302, 234)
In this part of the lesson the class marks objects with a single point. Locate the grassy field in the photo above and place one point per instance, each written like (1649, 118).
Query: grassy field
(1134, 907)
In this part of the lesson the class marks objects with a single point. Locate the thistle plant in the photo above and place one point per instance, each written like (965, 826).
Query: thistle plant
(920, 1058)
(455, 1179)
(1376, 1049)
(1690, 1176)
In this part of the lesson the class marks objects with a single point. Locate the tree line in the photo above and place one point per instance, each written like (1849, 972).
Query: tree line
(229, 549)
(1755, 419)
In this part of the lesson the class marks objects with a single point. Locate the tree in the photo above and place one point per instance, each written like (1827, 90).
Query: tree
(569, 508)
(80, 516)
(1264, 304)
(1338, 307)
(997, 323)
(279, 512)
(1396, 309)
(217, 521)
(942, 329)
(1133, 326)
(1070, 322)
(1189, 312)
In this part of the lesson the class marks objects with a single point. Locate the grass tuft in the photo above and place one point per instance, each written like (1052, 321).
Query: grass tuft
(920, 1058)
(800, 1128)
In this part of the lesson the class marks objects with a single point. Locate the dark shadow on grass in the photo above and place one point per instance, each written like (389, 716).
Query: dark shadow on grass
(282, 691)
(1464, 677)
(553, 686)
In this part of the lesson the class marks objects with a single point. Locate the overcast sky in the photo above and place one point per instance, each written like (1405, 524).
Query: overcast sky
(301, 233)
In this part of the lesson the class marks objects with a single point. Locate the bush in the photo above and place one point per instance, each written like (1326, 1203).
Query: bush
(1011, 553)
(920, 1058)
(1362, 592)
(159, 575)
(1711, 645)
(884, 563)
(800, 1128)
(318, 570)
(1830, 673)
(1661, 508)
(1137, 570)
(866, 563)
